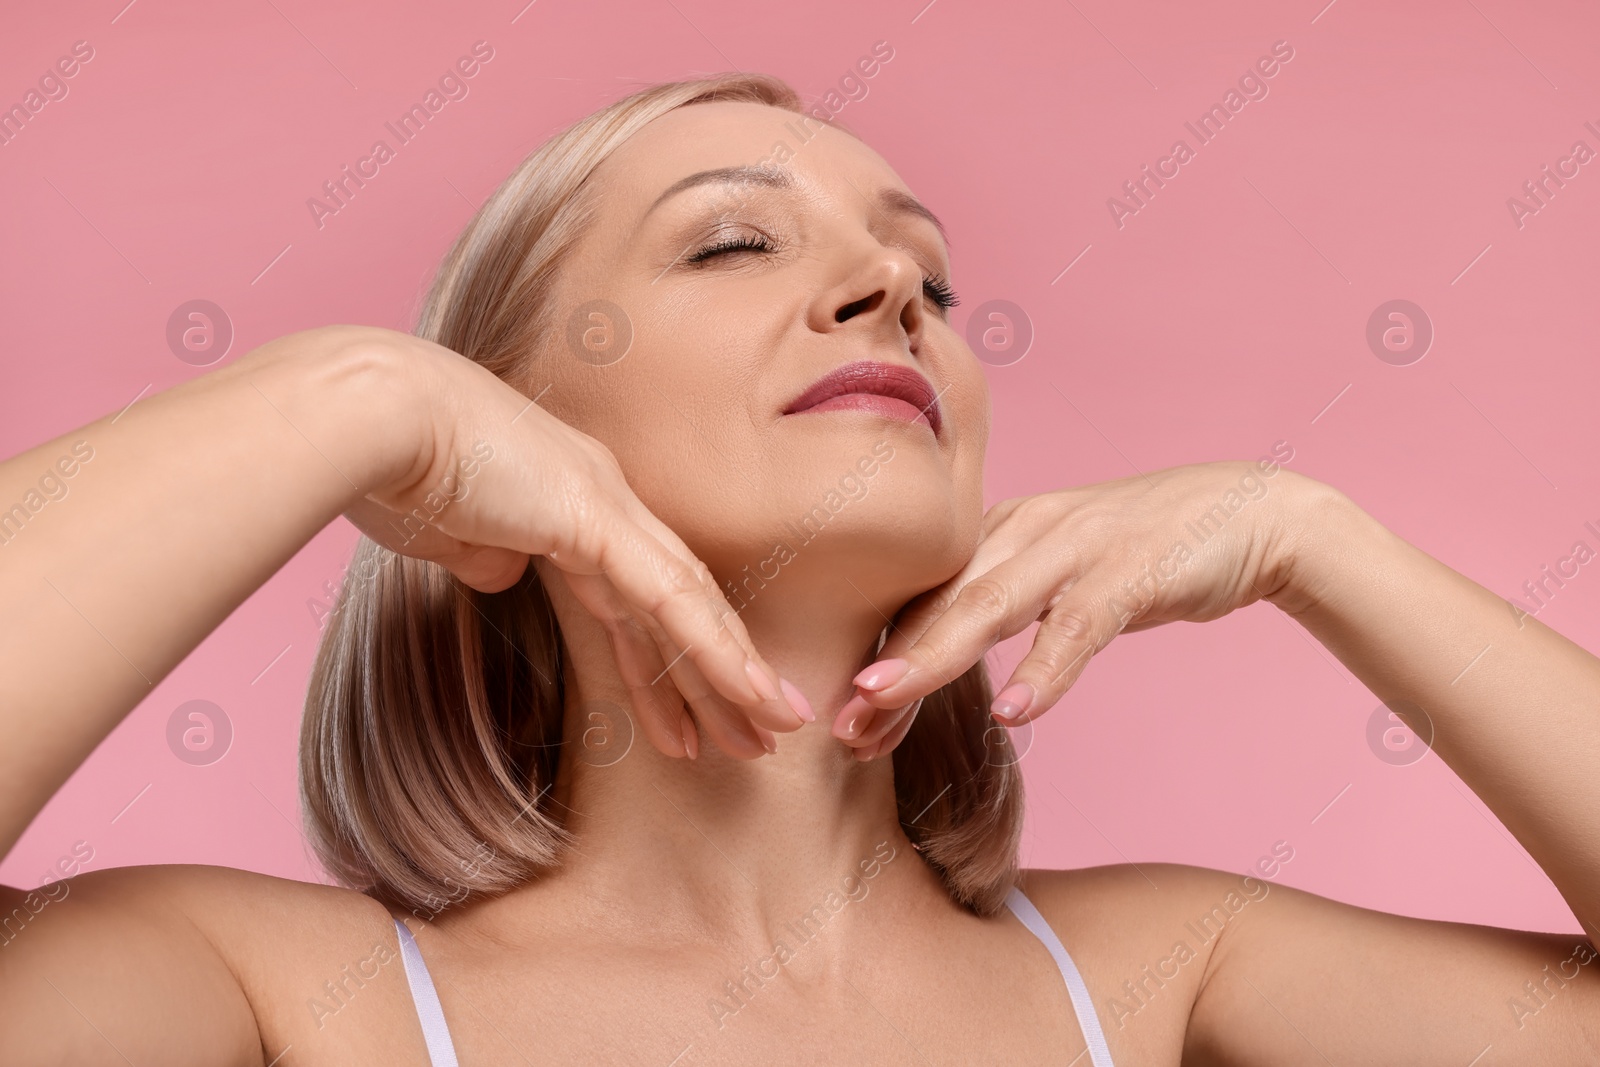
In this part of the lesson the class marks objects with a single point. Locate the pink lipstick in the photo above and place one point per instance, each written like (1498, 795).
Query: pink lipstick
(888, 389)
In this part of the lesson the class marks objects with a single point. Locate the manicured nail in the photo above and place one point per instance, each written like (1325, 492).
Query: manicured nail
(883, 674)
(797, 700)
(868, 753)
(1013, 701)
(691, 739)
(759, 681)
(847, 724)
(768, 743)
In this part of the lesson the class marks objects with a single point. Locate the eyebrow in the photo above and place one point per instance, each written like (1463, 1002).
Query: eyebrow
(893, 200)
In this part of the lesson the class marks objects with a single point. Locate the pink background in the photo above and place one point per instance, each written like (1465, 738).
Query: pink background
(1228, 314)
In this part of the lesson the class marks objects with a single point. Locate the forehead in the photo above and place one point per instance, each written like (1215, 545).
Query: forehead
(823, 160)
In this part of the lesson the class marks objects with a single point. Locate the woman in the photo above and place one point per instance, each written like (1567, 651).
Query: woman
(585, 808)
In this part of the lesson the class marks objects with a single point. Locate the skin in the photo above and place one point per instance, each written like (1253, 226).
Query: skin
(636, 490)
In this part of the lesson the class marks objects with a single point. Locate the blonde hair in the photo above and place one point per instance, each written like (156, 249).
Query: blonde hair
(433, 721)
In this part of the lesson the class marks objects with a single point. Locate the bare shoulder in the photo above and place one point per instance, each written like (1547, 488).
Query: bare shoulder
(1144, 937)
(1114, 904)
(120, 946)
(1201, 966)
(249, 919)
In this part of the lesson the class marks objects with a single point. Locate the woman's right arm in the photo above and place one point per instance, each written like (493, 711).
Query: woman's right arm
(173, 512)
(180, 507)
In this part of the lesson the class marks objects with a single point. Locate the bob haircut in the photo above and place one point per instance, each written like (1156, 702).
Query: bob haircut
(434, 715)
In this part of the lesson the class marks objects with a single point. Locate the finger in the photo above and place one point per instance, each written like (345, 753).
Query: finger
(652, 658)
(486, 568)
(999, 552)
(725, 725)
(658, 709)
(670, 708)
(733, 728)
(922, 611)
(1071, 633)
(683, 600)
(992, 607)
(891, 740)
(861, 725)
(886, 723)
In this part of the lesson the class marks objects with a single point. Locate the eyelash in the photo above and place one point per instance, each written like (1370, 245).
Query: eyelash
(934, 286)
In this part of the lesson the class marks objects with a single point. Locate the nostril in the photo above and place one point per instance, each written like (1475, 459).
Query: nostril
(855, 307)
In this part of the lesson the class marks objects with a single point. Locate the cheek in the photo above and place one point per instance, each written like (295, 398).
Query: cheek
(973, 417)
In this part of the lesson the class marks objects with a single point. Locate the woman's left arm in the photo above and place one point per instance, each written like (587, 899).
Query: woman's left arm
(1512, 707)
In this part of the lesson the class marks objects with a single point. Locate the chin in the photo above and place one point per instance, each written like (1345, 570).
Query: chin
(873, 540)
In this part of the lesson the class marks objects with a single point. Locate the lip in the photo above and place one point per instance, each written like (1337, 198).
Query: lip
(905, 394)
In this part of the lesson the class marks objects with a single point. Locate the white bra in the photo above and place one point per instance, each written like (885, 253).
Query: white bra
(442, 1051)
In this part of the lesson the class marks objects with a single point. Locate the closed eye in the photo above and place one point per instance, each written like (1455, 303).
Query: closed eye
(935, 287)
(731, 244)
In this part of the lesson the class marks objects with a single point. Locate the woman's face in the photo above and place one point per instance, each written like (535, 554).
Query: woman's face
(742, 292)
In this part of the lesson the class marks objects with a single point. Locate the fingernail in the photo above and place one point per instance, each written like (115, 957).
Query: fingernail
(883, 674)
(1013, 701)
(868, 753)
(797, 700)
(768, 743)
(691, 739)
(759, 681)
(847, 724)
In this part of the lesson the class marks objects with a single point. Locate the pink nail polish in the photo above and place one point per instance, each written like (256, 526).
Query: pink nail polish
(883, 674)
(847, 723)
(759, 681)
(691, 739)
(1013, 701)
(797, 701)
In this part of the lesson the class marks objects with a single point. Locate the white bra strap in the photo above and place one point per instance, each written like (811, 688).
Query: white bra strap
(1088, 1021)
(441, 1050)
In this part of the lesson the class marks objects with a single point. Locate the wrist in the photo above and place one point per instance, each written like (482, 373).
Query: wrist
(1318, 526)
(354, 394)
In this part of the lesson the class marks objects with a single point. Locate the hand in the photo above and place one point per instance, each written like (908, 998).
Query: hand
(496, 480)
(1189, 543)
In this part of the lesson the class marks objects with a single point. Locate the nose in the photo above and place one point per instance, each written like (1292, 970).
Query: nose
(880, 294)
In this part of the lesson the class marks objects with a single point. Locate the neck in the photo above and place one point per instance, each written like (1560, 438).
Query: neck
(717, 840)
